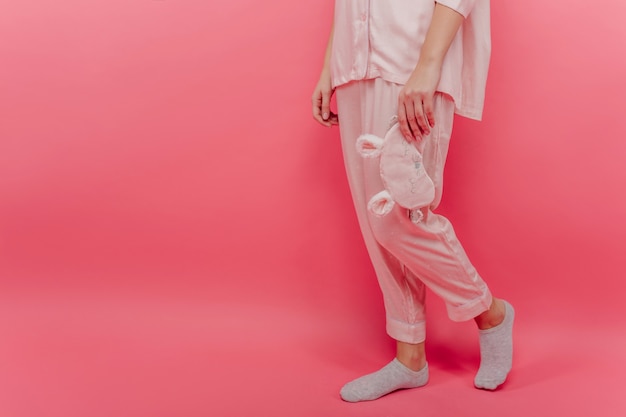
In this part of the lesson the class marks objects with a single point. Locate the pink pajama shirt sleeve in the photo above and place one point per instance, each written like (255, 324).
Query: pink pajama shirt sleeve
(464, 7)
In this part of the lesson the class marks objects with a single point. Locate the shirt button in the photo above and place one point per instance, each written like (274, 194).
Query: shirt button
(363, 17)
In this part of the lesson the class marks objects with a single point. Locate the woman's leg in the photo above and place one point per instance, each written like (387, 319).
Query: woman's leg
(405, 255)
(368, 107)
(431, 251)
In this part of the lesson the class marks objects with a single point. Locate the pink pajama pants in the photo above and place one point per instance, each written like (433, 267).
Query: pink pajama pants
(407, 257)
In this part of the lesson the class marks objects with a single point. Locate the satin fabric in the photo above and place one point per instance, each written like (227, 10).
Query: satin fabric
(407, 257)
(383, 38)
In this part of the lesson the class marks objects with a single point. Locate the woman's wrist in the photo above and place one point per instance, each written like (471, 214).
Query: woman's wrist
(430, 60)
(427, 66)
(325, 71)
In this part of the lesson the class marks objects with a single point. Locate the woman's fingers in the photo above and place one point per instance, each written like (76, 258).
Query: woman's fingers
(420, 116)
(415, 115)
(327, 115)
(429, 113)
(321, 107)
(403, 122)
(317, 108)
(326, 104)
(316, 100)
(412, 110)
(409, 114)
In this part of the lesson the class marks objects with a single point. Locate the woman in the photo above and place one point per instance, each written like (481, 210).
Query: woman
(418, 61)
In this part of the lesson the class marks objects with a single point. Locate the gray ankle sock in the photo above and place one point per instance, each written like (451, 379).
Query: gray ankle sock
(496, 352)
(392, 377)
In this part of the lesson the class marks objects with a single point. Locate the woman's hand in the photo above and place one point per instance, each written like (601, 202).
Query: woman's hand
(321, 101)
(415, 102)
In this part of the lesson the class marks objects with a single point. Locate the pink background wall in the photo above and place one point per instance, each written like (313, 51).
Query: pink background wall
(164, 150)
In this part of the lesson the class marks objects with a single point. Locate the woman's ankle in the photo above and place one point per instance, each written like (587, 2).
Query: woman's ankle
(413, 356)
(492, 317)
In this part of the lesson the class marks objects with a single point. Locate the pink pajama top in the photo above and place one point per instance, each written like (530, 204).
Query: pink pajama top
(383, 38)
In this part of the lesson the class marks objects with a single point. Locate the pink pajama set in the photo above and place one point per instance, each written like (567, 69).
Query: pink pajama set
(375, 48)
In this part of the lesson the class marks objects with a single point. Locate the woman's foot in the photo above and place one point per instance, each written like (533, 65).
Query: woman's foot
(408, 370)
(392, 377)
(496, 345)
